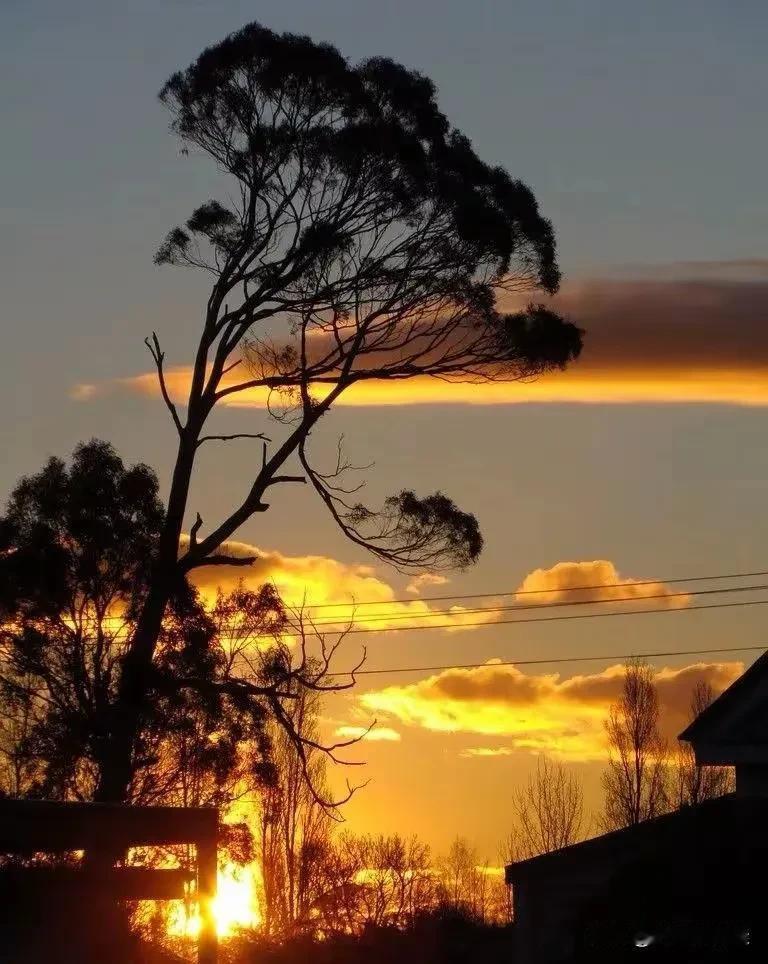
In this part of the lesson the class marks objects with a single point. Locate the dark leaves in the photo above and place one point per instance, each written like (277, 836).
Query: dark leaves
(236, 840)
(364, 218)
(454, 536)
(76, 550)
(88, 528)
(210, 219)
(418, 533)
(322, 240)
(173, 248)
(539, 337)
(265, 102)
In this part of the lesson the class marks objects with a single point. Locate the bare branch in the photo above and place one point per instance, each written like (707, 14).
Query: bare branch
(194, 531)
(190, 561)
(230, 438)
(277, 479)
(159, 357)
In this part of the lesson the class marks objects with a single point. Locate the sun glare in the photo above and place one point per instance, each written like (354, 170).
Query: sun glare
(236, 905)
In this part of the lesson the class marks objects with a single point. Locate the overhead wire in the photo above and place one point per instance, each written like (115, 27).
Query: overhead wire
(548, 619)
(374, 617)
(556, 660)
(534, 592)
(354, 604)
(349, 625)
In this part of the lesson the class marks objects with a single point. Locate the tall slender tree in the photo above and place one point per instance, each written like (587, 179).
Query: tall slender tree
(694, 783)
(293, 831)
(468, 887)
(635, 782)
(549, 811)
(363, 239)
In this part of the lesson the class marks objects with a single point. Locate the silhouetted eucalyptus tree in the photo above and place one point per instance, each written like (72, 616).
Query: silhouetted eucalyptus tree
(76, 549)
(364, 240)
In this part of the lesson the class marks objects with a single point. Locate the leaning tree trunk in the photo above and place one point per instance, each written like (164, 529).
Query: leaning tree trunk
(116, 771)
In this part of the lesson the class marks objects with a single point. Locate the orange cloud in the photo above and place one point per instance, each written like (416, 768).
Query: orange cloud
(597, 579)
(539, 712)
(648, 340)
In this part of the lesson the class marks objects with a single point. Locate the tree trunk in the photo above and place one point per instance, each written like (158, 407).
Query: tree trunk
(116, 771)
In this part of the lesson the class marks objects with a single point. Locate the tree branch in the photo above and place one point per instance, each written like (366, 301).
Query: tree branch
(286, 478)
(219, 559)
(159, 356)
(230, 438)
(194, 530)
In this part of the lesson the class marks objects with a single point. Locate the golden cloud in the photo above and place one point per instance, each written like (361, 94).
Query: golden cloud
(597, 579)
(648, 340)
(328, 590)
(378, 734)
(539, 712)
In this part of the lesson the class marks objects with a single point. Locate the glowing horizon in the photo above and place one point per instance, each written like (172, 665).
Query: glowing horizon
(579, 385)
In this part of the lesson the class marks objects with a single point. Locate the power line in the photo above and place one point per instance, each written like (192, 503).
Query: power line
(233, 633)
(624, 657)
(524, 592)
(534, 592)
(373, 617)
(548, 619)
(553, 661)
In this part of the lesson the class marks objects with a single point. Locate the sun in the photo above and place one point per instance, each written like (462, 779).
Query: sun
(236, 905)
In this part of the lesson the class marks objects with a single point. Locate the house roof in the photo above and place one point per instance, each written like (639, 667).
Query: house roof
(729, 822)
(717, 721)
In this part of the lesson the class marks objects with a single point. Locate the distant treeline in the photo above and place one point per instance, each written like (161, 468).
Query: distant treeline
(442, 936)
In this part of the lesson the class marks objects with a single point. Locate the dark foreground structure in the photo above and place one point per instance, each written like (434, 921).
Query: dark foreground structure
(685, 886)
(36, 900)
(681, 884)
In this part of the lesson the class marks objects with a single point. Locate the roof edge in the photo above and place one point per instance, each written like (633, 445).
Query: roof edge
(720, 705)
(605, 839)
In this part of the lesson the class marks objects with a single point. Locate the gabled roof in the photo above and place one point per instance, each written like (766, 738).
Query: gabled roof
(720, 721)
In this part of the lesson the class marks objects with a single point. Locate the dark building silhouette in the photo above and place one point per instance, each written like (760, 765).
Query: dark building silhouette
(685, 883)
(64, 913)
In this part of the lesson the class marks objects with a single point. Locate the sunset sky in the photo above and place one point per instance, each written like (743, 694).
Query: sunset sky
(641, 129)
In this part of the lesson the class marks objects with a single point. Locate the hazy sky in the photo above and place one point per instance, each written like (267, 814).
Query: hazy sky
(641, 129)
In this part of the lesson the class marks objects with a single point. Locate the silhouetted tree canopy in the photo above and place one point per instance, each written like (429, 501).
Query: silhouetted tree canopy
(85, 531)
(373, 235)
(76, 557)
(358, 237)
